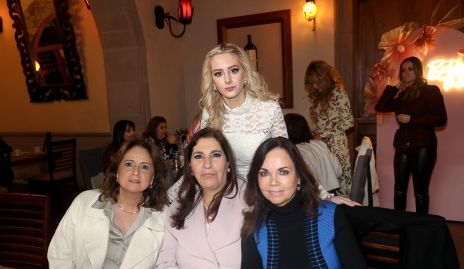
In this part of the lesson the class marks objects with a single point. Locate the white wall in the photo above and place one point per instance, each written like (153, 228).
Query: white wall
(164, 64)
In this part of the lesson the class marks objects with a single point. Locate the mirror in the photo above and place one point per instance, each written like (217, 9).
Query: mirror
(47, 46)
(271, 35)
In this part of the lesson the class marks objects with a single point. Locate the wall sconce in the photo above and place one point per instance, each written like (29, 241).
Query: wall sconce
(184, 14)
(309, 12)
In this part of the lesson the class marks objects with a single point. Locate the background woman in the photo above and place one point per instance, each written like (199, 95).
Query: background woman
(120, 226)
(123, 131)
(236, 100)
(288, 226)
(157, 132)
(330, 115)
(321, 162)
(419, 108)
(203, 230)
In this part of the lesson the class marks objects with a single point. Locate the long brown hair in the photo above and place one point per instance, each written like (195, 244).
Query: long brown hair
(189, 194)
(154, 196)
(152, 127)
(413, 91)
(309, 192)
(327, 78)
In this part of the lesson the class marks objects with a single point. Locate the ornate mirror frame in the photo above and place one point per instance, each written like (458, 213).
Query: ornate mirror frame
(73, 87)
(281, 17)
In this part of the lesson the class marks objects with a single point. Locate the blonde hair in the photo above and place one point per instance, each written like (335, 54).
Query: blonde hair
(327, 78)
(212, 102)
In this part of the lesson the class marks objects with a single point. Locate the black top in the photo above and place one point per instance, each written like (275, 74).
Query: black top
(293, 254)
(427, 112)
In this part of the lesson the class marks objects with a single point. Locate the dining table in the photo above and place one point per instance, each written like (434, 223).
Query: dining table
(27, 165)
(26, 158)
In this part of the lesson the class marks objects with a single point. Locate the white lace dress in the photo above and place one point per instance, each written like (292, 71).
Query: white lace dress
(247, 126)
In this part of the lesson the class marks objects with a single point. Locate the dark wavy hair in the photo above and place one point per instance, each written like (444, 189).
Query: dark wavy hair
(152, 126)
(297, 128)
(189, 194)
(118, 132)
(309, 192)
(413, 90)
(153, 197)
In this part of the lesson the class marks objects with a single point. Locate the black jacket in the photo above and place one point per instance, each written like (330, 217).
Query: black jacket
(427, 112)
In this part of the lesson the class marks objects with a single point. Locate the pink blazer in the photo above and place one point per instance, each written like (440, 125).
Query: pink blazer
(192, 247)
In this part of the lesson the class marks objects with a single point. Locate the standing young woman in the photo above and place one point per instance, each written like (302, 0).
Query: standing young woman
(235, 99)
(120, 225)
(288, 226)
(419, 108)
(330, 115)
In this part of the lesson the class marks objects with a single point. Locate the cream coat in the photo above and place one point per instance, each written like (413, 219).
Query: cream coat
(81, 239)
(192, 247)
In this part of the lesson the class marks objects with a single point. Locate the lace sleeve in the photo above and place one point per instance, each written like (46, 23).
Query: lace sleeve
(278, 127)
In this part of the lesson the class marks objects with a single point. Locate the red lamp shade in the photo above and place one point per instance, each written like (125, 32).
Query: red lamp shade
(185, 11)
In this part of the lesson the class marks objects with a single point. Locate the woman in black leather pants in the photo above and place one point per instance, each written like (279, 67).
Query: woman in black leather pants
(419, 108)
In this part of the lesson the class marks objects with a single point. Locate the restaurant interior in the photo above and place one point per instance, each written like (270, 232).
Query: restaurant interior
(130, 59)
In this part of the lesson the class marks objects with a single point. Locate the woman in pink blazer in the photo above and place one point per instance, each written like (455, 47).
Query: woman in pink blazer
(203, 230)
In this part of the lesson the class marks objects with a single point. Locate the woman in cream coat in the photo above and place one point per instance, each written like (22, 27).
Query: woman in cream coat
(120, 226)
(203, 230)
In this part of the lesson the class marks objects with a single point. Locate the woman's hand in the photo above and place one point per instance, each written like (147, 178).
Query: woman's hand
(403, 85)
(403, 118)
(339, 200)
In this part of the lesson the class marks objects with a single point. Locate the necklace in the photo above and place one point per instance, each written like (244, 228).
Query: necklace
(127, 211)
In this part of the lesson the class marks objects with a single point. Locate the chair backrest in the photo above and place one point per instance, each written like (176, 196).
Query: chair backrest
(397, 239)
(361, 176)
(97, 180)
(24, 230)
(61, 157)
(91, 161)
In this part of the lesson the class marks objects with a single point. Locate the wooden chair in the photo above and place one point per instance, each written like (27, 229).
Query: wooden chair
(361, 176)
(59, 181)
(91, 161)
(24, 230)
(61, 163)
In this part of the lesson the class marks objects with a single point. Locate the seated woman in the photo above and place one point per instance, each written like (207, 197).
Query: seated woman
(123, 132)
(288, 226)
(157, 133)
(203, 230)
(120, 226)
(321, 162)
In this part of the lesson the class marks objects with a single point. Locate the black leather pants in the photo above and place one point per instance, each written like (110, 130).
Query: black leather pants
(419, 162)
